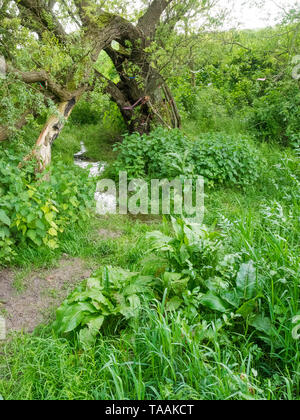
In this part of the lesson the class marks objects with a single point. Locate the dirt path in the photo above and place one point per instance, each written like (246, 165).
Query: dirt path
(41, 293)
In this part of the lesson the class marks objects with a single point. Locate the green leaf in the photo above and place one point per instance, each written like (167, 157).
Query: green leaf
(4, 218)
(247, 308)
(246, 281)
(87, 336)
(262, 323)
(213, 302)
(40, 225)
(52, 232)
(52, 244)
(30, 218)
(69, 317)
(174, 304)
(49, 217)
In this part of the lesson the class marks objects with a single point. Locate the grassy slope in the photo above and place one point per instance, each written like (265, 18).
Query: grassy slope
(163, 359)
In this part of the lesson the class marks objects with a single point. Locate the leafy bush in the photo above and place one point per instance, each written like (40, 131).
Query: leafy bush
(150, 155)
(224, 159)
(35, 212)
(218, 157)
(109, 294)
(194, 274)
(276, 114)
(198, 274)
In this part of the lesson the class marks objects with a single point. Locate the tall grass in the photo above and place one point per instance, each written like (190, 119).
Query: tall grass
(162, 359)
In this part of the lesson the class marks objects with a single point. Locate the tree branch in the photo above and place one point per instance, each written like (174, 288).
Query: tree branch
(147, 23)
(43, 76)
(40, 12)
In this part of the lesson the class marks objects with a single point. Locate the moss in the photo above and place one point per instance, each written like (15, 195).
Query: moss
(104, 19)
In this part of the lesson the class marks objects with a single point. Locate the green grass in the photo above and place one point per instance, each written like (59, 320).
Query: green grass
(98, 141)
(162, 356)
(19, 282)
(160, 360)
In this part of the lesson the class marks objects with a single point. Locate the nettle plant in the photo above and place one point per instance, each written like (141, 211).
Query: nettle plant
(35, 212)
(150, 155)
(220, 158)
(224, 159)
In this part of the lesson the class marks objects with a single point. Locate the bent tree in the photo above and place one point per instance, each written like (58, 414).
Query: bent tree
(52, 49)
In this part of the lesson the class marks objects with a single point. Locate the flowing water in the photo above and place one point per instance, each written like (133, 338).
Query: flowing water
(95, 168)
(105, 202)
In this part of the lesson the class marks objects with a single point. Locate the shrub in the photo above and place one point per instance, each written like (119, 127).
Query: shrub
(151, 155)
(276, 114)
(195, 277)
(219, 158)
(224, 159)
(35, 212)
(110, 294)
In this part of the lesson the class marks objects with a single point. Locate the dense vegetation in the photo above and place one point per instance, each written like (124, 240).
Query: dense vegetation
(172, 310)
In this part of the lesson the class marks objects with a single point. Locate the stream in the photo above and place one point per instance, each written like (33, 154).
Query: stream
(96, 168)
(105, 202)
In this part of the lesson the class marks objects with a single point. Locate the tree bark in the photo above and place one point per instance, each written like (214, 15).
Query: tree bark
(42, 150)
(143, 97)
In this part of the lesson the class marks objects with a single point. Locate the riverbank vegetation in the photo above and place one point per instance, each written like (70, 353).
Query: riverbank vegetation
(170, 310)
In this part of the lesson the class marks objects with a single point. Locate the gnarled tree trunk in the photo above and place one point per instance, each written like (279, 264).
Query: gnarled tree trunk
(141, 97)
(49, 133)
(144, 96)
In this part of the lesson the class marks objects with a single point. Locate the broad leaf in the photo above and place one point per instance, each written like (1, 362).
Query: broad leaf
(246, 281)
(262, 323)
(213, 302)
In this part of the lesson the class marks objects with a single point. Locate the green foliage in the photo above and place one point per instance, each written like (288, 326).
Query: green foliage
(276, 114)
(85, 113)
(218, 157)
(35, 212)
(194, 274)
(110, 294)
(198, 274)
(220, 355)
(150, 155)
(96, 108)
(245, 83)
(194, 312)
(193, 250)
(225, 159)
(162, 359)
(16, 99)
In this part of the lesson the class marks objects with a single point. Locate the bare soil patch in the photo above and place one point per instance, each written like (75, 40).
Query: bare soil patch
(44, 292)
